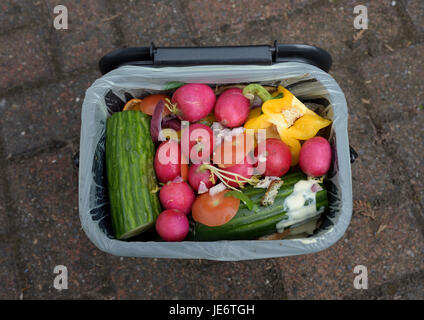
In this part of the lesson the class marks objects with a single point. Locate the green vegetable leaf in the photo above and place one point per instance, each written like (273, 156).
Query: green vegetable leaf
(173, 85)
(240, 195)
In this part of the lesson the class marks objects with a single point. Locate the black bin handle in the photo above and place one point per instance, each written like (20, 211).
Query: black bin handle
(240, 55)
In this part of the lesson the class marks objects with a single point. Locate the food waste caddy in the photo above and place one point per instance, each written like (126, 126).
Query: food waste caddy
(136, 72)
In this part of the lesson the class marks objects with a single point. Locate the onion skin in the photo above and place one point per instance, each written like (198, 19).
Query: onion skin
(194, 101)
(315, 157)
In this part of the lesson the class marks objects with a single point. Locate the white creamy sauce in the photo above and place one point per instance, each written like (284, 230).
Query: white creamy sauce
(300, 205)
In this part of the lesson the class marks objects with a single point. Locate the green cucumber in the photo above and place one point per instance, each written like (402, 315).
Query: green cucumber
(131, 178)
(251, 224)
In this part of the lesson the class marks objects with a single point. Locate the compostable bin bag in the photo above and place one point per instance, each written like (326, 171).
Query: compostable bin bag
(109, 93)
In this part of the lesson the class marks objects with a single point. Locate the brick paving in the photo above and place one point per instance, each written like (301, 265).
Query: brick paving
(44, 74)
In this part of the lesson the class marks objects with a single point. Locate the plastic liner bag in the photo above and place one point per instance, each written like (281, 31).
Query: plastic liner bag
(109, 93)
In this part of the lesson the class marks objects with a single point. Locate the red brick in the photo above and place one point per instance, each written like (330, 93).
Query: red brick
(40, 117)
(19, 13)
(89, 35)
(415, 9)
(4, 219)
(396, 91)
(391, 93)
(45, 192)
(395, 83)
(409, 287)
(404, 139)
(195, 279)
(210, 17)
(329, 26)
(398, 248)
(371, 171)
(24, 59)
(8, 277)
(394, 252)
(161, 22)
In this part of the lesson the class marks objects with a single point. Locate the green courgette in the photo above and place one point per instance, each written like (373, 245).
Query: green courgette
(251, 224)
(131, 178)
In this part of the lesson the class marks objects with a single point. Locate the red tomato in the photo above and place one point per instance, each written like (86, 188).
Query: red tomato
(228, 154)
(184, 171)
(148, 104)
(214, 210)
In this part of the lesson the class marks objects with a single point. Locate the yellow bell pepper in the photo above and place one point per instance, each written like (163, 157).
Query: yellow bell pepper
(293, 144)
(254, 113)
(292, 119)
(287, 103)
(260, 122)
(307, 126)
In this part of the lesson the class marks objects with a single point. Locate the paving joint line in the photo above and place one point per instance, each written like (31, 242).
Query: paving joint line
(51, 40)
(187, 21)
(280, 281)
(12, 227)
(412, 28)
(39, 84)
(115, 23)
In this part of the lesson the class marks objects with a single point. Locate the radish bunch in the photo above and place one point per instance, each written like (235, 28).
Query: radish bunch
(188, 167)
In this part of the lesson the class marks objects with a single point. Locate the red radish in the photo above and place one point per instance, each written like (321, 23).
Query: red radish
(194, 101)
(230, 91)
(197, 175)
(232, 108)
(200, 141)
(177, 195)
(172, 225)
(276, 157)
(315, 157)
(168, 161)
(244, 169)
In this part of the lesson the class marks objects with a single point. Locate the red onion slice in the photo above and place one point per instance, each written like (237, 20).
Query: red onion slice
(217, 189)
(202, 188)
(156, 122)
(172, 123)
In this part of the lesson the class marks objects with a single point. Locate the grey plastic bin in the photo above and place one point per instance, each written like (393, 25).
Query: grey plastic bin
(304, 80)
